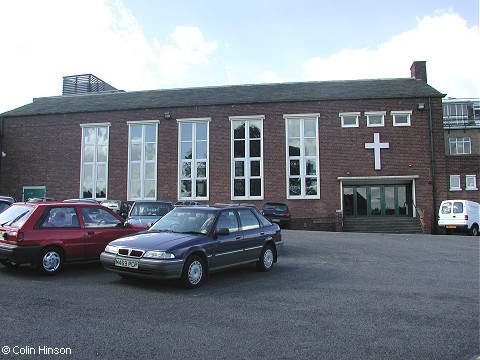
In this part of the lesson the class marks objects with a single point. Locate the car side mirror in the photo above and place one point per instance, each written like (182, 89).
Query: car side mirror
(222, 232)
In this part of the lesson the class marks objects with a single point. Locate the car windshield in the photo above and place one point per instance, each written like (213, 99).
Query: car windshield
(150, 209)
(186, 220)
(15, 216)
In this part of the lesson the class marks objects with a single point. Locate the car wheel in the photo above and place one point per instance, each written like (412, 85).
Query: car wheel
(474, 230)
(266, 260)
(50, 261)
(193, 272)
(8, 263)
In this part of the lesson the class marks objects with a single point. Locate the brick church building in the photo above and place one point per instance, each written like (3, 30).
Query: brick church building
(334, 151)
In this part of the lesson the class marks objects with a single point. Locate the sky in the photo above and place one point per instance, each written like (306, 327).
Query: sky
(139, 45)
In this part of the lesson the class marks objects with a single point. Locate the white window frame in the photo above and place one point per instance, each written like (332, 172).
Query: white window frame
(95, 163)
(454, 180)
(194, 161)
(394, 115)
(474, 182)
(460, 141)
(302, 158)
(369, 114)
(247, 160)
(142, 162)
(349, 114)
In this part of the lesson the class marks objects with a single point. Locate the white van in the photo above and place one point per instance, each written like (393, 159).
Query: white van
(459, 215)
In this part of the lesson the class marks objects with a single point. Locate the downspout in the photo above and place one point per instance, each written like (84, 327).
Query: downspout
(432, 164)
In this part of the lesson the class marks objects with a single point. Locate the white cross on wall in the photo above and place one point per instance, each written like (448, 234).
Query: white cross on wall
(376, 146)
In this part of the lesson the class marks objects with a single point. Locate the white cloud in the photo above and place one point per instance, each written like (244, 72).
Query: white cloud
(186, 48)
(444, 41)
(54, 38)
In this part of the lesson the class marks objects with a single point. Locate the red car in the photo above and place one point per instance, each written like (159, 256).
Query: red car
(48, 234)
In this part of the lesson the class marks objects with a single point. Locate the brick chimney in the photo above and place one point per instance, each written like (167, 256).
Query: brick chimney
(418, 70)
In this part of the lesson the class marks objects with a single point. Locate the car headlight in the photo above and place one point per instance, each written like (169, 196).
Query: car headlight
(111, 249)
(158, 255)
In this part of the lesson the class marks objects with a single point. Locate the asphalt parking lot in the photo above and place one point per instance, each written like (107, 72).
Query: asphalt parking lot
(330, 296)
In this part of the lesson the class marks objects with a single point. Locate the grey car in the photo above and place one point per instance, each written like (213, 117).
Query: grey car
(145, 213)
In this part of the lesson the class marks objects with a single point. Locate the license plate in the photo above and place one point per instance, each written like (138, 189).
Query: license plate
(451, 227)
(131, 264)
(276, 220)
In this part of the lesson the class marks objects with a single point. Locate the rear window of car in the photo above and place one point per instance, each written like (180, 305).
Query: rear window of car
(275, 207)
(150, 209)
(455, 207)
(16, 215)
(446, 208)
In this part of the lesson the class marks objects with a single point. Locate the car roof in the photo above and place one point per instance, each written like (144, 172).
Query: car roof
(60, 204)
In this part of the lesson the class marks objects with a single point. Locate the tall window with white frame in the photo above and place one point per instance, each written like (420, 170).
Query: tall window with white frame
(193, 159)
(142, 160)
(302, 156)
(247, 157)
(94, 169)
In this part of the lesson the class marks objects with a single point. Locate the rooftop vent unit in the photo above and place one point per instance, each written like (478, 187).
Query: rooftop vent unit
(86, 83)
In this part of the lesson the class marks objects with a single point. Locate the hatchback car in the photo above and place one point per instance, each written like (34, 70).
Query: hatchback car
(277, 213)
(190, 242)
(145, 213)
(48, 234)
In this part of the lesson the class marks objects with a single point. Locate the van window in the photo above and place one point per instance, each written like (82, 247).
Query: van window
(457, 207)
(446, 208)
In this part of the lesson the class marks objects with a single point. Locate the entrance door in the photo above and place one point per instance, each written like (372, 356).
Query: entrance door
(376, 200)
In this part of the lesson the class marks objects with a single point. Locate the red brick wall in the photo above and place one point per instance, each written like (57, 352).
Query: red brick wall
(45, 150)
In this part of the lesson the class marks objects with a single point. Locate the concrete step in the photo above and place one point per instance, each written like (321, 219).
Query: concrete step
(389, 225)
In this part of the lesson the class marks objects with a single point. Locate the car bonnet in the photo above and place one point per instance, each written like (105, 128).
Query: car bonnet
(150, 240)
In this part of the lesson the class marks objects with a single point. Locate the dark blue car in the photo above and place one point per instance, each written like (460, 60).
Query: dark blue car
(190, 242)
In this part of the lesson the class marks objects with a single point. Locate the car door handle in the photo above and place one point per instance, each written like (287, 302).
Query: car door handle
(91, 232)
(262, 233)
(238, 238)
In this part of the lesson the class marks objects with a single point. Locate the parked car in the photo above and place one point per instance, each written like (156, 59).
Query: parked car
(277, 213)
(5, 202)
(119, 206)
(47, 234)
(459, 216)
(190, 242)
(146, 212)
(8, 198)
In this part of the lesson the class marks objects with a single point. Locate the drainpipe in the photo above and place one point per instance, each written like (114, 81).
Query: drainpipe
(432, 163)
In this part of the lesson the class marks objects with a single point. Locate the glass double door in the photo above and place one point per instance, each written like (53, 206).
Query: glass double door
(376, 200)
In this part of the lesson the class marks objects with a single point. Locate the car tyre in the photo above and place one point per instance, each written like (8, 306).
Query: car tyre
(474, 230)
(50, 261)
(194, 272)
(267, 258)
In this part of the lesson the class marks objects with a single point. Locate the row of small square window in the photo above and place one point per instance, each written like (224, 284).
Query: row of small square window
(375, 118)
(470, 182)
